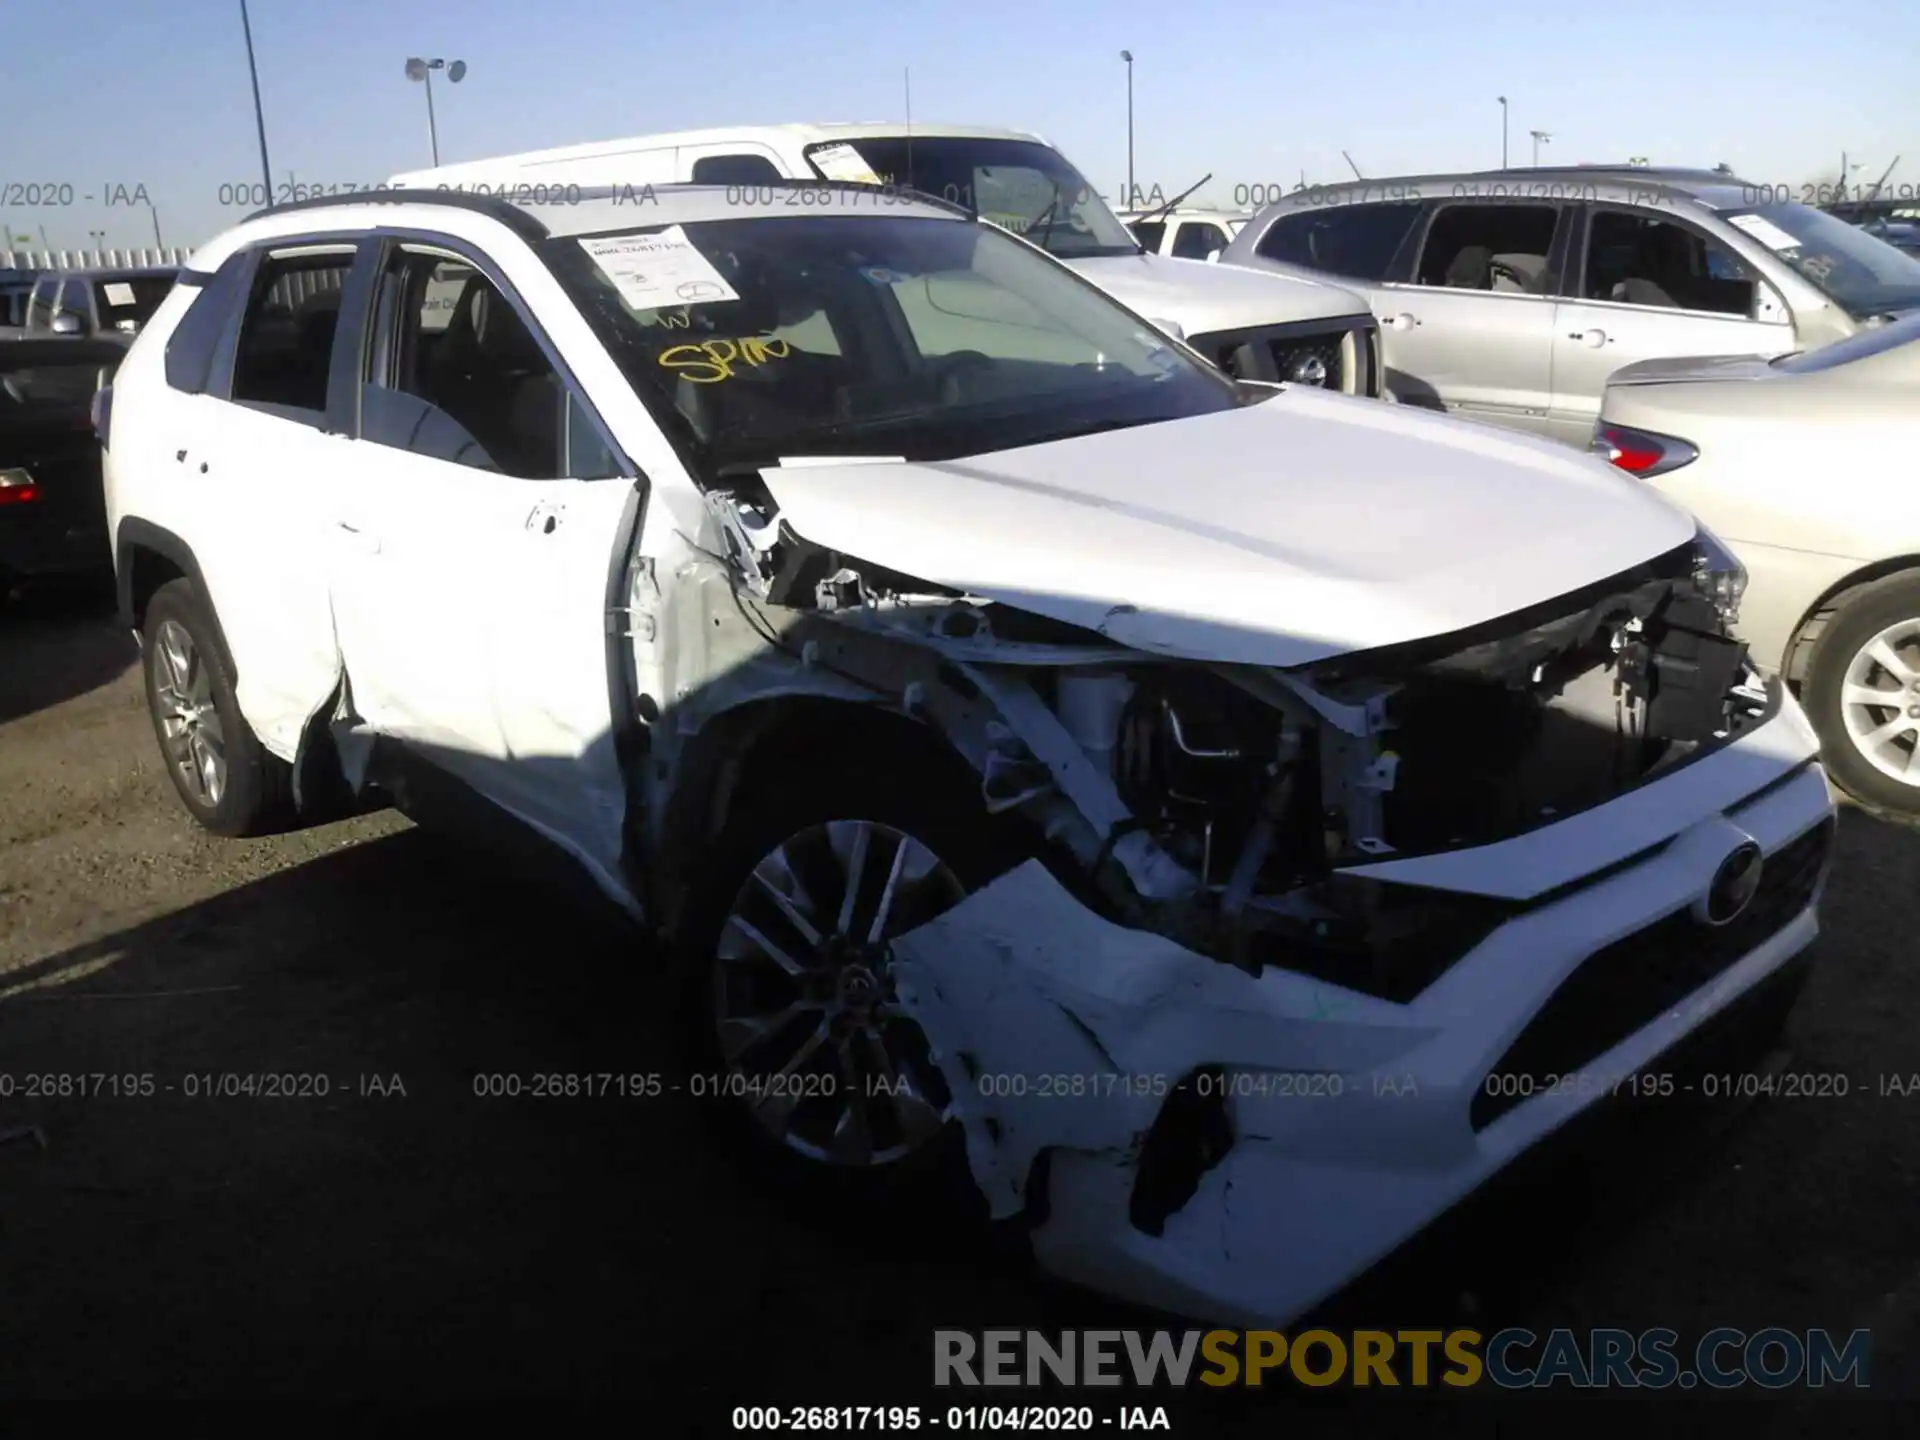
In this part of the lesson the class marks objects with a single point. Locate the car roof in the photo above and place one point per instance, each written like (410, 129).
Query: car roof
(569, 210)
(803, 132)
(1710, 188)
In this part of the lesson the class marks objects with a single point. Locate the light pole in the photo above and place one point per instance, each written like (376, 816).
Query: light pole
(1503, 132)
(422, 70)
(259, 116)
(1127, 55)
(1540, 137)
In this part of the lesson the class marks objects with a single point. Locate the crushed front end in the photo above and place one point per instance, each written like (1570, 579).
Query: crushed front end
(1303, 956)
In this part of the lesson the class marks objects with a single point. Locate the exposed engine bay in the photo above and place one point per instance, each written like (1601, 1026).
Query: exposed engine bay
(1223, 805)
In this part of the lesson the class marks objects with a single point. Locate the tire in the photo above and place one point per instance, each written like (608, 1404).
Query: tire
(254, 790)
(1884, 775)
(723, 972)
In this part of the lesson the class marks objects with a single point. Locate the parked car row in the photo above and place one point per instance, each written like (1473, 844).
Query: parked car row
(900, 610)
(1533, 299)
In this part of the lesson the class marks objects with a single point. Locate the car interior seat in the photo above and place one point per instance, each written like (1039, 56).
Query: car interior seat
(1470, 269)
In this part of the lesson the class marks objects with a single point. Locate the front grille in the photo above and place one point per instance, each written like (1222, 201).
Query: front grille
(1619, 989)
(1278, 352)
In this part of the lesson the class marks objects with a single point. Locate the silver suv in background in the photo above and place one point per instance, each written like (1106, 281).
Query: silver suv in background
(1510, 297)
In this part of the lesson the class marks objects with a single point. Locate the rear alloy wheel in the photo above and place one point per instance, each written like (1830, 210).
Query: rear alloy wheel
(1863, 691)
(806, 1014)
(228, 781)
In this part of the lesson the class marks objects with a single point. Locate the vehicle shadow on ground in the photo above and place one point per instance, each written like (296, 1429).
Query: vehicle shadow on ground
(370, 1224)
(57, 643)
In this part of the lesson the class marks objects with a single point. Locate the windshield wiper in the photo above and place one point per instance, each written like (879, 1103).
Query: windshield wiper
(1044, 221)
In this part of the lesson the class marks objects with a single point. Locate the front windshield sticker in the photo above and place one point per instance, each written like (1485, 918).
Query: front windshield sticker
(652, 271)
(1765, 231)
(712, 361)
(843, 162)
(118, 292)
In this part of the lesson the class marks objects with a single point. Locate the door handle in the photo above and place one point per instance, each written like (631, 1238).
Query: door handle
(1592, 339)
(1403, 321)
(362, 540)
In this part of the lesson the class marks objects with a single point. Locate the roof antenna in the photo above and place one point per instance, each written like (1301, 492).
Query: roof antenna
(1350, 165)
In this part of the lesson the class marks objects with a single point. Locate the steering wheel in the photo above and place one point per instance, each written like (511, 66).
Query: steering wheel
(952, 371)
(1501, 270)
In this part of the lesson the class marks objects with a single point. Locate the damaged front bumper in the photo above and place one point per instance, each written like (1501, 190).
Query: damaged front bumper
(1237, 1147)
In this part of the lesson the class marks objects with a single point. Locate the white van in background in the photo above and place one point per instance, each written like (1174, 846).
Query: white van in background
(1255, 325)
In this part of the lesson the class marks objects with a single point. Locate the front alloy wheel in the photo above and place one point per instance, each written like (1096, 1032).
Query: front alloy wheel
(808, 1022)
(1880, 702)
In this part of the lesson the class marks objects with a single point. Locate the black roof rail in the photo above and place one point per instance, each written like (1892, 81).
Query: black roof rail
(515, 218)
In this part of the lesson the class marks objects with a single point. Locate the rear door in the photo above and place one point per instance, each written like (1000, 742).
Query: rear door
(475, 525)
(1466, 323)
(1647, 284)
(252, 456)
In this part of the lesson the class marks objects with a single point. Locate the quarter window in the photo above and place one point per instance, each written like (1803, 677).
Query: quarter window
(1356, 241)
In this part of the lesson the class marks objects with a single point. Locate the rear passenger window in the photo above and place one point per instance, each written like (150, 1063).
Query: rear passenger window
(456, 375)
(194, 341)
(1149, 233)
(285, 348)
(1355, 241)
(734, 170)
(1488, 247)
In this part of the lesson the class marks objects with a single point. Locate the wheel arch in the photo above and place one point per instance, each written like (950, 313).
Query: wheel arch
(754, 744)
(1804, 636)
(147, 556)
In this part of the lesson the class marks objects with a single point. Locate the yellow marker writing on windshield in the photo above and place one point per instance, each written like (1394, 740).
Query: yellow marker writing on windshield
(712, 361)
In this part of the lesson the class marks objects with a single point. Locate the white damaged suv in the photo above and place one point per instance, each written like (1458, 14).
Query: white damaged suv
(1229, 819)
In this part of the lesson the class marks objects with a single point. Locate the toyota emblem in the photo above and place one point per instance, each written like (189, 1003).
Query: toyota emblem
(1734, 885)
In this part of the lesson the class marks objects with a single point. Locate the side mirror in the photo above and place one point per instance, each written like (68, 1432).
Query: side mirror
(68, 323)
(1214, 255)
(1769, 306)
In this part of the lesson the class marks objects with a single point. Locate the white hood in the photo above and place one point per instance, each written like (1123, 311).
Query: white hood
(1202, 298)
(1308, 526)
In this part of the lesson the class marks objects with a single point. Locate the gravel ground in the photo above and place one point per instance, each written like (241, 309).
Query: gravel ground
(401, 1242)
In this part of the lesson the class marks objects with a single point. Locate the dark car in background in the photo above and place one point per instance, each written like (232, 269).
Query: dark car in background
(112, 304)
(15, 286)
(52, 515)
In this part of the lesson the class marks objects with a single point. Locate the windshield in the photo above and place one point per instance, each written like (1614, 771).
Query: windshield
(917, 337)
(129, 300)
(1021, 185)
(1863, 274)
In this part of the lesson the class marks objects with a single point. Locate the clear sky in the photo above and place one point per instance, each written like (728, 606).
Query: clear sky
(154, 93)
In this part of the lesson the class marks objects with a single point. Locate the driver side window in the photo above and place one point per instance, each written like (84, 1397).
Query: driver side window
(1662, 264)
(455, 374)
